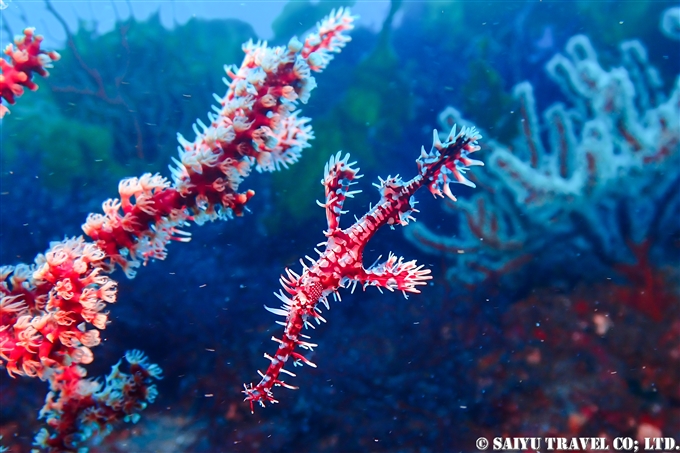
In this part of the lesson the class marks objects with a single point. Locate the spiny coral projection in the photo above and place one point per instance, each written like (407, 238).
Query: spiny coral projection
(340, 264)
(605, 183)
(24, 60)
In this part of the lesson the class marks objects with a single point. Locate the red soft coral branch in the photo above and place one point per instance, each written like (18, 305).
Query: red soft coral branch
(24, 60)
(77, 408)
(45, 309)
(340, 264)
(255, 126)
